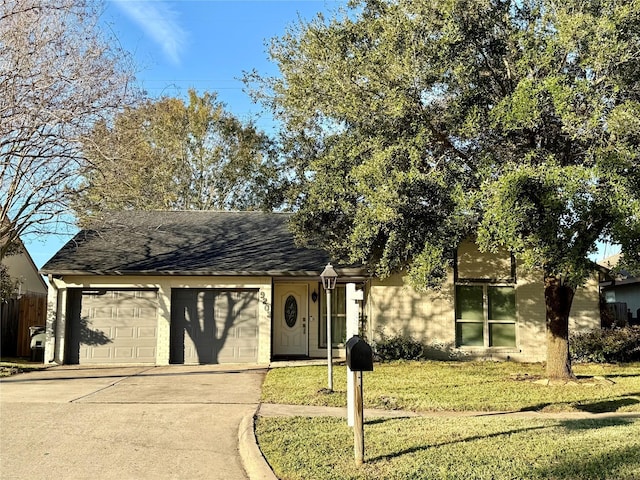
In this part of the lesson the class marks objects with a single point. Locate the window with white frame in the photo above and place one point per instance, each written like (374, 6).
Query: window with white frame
(338, 317)
(485, 315)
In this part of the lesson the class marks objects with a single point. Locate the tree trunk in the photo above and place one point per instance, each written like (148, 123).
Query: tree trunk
(558, 299)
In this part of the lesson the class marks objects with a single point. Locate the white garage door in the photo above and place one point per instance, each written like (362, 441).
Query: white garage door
(114, 326)
(214, 326)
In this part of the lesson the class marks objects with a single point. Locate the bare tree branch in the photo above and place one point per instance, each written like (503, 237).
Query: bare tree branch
(58, 76)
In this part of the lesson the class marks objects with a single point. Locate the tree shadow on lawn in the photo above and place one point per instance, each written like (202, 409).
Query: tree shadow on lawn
(594, 423)
(612, 405)
(572, 425)
(419, 448)
(605, 406)
(607, 465)
(610, 376)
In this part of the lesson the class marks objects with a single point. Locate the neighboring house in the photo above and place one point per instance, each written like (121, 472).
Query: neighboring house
(21, 268)
(621, 292)
(227, 287)
(26, 307)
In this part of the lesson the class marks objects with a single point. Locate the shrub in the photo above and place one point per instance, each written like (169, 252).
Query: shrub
(397, 347)
(606, 345)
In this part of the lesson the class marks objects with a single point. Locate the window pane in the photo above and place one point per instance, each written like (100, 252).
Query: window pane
(469, 302)
(470, 334)
(338, 316)
(502, 334)
(338, 329)
(339, 301)
(502, 303)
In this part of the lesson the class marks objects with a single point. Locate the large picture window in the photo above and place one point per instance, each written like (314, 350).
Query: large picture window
(485, 316)
(338, 317)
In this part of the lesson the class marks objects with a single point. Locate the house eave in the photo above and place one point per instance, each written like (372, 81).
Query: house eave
(347, 273)
(625, 281)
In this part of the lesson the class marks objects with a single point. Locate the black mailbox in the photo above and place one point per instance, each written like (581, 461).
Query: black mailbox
(359, 355)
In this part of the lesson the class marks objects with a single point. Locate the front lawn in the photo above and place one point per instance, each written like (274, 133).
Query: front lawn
(475, 448)
(462, 386)
(449, 446)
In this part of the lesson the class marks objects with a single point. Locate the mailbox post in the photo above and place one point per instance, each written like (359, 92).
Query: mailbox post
(359, 359)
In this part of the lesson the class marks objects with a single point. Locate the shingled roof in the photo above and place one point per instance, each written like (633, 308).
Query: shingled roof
(187, 243)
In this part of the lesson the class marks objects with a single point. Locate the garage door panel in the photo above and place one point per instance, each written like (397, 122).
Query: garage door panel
(214, 326)
(124, 353)
(100, 313)
(99, 353)
(115, 327)
(145, 352)
(124, 332)
(246, 332)
(147, 332)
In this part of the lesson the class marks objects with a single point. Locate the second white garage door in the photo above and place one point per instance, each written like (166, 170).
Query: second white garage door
(214, 326)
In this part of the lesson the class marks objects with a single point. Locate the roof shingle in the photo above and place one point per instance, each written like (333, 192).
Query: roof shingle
(189, 243)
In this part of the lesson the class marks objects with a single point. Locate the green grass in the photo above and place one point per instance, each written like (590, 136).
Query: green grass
(462, 386)
(453, 448)
(446, 446)
(13, 366)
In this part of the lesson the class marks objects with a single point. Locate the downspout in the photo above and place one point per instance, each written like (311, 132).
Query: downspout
(52, 321)
(56, 324)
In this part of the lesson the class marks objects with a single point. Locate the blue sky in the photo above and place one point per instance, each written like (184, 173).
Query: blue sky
(204, 44)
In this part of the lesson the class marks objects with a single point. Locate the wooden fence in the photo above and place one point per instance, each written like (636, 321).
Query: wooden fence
(17, 315)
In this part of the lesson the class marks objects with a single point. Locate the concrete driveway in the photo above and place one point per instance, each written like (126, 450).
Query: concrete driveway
(175, 422)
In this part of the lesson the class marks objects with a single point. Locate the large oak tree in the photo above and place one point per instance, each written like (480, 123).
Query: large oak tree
(410, 124)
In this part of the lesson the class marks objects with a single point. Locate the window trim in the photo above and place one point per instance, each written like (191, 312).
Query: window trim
(486, 322)
(322, 316)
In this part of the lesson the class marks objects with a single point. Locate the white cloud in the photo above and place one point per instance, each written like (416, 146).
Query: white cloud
(160, 22)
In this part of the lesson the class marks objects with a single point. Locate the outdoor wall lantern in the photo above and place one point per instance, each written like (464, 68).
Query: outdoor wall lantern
(329, 278)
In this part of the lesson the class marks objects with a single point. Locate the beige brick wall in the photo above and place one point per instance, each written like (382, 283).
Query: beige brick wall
(585, 310)
(394, 308)
(472, 264)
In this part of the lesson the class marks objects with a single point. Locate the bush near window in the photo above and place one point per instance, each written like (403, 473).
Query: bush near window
(606, 345)
(397, 347)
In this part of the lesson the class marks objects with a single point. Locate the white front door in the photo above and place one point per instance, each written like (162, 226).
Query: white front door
(290, 319)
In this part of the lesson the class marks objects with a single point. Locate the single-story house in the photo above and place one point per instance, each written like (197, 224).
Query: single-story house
(229, 287)
(23, 270)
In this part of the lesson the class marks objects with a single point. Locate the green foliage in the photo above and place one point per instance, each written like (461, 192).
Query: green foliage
(606, 345)
(166, 154)
(409, 125)
(7, 284)
(397, 347)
